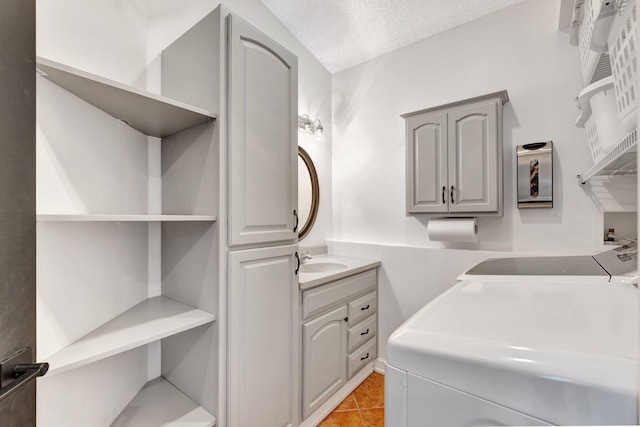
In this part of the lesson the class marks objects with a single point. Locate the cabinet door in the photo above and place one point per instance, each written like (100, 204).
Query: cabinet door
(475, 158)
(427, 163)
(324, 349)
(264, 331)
(263, 139)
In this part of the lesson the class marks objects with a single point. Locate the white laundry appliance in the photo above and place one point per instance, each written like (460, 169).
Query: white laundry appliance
(500, 348)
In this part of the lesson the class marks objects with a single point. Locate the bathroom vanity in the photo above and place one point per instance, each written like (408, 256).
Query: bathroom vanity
(339, 325)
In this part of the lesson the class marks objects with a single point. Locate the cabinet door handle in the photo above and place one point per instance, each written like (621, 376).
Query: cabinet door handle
(346, 319)
(298, 266)
(365, 308)
(452, 200)
(365, 332)
(365, 357)
(444, 191)
(295, 227)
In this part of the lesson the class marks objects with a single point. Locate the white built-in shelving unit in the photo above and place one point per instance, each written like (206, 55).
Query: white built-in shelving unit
(128, 258)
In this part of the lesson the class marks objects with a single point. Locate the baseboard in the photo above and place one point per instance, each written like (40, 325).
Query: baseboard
(379, 365)
(325, 409)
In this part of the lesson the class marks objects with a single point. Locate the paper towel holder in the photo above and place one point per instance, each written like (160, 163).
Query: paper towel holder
(453, 229)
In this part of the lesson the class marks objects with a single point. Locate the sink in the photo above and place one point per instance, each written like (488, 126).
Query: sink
(322, 267)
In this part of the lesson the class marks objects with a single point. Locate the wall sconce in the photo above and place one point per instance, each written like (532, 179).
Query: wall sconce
(308, 126)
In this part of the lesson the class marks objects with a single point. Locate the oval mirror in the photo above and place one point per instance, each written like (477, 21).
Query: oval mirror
(308, 192)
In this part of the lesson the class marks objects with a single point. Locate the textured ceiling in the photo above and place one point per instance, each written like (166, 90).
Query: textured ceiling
(343, 33)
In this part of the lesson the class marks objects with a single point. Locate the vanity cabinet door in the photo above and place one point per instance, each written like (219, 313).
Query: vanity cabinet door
(427, 163)
(475, 158)
(263, 138)
(324, 349)
(264, 338)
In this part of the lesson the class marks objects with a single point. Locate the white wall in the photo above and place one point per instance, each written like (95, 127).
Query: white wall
(107, 38)
(518, 49)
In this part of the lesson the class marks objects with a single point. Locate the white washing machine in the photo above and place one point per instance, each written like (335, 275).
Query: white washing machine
(518, 351)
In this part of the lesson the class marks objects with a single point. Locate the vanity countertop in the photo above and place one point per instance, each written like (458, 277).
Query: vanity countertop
(323, 269)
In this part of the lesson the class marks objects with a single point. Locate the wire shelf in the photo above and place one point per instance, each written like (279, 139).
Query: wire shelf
(620, 160)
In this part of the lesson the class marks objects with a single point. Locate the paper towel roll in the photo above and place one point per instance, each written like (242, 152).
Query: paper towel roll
(453, 229)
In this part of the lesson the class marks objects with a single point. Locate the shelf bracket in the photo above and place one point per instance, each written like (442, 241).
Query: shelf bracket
(581, 182)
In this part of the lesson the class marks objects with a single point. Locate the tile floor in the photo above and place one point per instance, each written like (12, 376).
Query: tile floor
(362, 408)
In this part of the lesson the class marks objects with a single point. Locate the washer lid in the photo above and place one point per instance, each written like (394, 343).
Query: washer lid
(563, 352)
(571, 268)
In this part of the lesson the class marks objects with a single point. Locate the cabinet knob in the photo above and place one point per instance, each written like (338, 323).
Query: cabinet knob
(365, 332)
(365, 308)
(365, 357)
(346, 319)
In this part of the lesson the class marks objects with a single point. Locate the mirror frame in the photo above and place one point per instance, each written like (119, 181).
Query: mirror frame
(315, 193)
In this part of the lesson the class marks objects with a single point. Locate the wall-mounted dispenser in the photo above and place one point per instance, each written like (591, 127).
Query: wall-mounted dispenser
(535, 175)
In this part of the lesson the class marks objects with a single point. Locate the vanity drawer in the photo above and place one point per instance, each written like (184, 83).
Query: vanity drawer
(361, 333)
(317, 300)
(362, 356)
(362, 307)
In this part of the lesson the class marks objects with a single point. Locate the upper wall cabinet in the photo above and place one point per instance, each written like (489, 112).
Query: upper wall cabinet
(454, 157)
(263, 105)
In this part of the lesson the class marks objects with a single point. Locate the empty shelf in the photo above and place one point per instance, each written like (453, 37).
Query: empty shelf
(149, 321)
(146, 112)
(161, 404)
(620, 160)
(121, 218)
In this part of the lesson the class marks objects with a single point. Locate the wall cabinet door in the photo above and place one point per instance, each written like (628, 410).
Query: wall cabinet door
(263, 105)
(324, 350)
(474, 155)
(427, 163)
(264, 365)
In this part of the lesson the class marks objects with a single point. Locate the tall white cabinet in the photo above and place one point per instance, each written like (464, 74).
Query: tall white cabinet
(167, 238)
(264, 345)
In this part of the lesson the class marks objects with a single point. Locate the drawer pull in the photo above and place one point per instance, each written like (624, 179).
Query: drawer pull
(365, 357)
(365, 308)
(346, 319)
(365, 332)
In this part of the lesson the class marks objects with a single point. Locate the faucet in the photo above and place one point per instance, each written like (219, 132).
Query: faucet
(306, 256)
